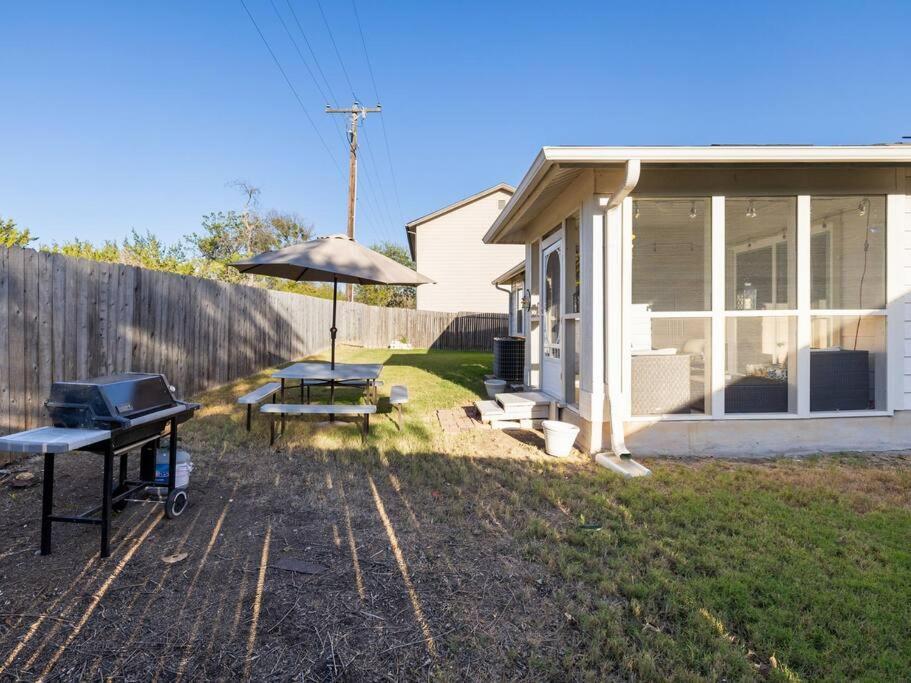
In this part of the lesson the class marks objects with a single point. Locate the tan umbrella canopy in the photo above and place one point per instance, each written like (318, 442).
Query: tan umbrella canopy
(334, 259)
(331, 259)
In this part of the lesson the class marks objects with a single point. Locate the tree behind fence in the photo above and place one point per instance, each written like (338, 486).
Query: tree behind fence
(66, 318)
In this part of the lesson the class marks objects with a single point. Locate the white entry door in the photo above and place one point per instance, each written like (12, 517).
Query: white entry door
(552, 315)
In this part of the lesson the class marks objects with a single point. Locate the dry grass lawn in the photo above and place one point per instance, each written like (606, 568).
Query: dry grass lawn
(463, 557)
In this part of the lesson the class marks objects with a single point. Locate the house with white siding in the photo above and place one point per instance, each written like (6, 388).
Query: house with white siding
(718, 300)
(447, 245)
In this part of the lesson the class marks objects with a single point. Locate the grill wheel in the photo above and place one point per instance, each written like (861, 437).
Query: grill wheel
(175, 503)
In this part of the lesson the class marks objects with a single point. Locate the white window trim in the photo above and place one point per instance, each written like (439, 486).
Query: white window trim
(895, 224)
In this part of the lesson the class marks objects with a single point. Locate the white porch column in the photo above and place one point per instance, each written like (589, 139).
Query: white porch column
(532, 324)
(591, 305)
(614, 273)
(613, 340)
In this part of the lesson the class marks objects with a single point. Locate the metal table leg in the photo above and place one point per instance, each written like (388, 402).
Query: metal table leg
(122, 472)
(283, 400)
(172, 457)
(47, 503)
(107, 483)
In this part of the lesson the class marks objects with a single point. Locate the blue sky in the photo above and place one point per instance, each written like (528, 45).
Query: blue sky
(138, 115)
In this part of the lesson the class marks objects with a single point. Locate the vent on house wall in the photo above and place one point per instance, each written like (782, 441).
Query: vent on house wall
(501, 203)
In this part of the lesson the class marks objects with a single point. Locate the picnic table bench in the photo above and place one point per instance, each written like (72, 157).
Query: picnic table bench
(283, 409)
(257, 396)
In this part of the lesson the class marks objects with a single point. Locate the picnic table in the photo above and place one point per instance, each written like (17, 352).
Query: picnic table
(318, 373)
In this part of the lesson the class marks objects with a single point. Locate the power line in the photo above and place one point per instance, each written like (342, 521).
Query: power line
(322, 93)
(375, 167)
(376, 93)
(335, 47)
(281, 19)
(312, 53)
(293, 90)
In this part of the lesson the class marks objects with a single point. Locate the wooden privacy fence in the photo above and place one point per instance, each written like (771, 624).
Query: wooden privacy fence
(66, 318)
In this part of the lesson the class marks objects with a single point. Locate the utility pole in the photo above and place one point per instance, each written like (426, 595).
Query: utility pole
(356, 112)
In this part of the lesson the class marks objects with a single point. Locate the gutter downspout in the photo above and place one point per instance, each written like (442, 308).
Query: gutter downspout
(613, 237)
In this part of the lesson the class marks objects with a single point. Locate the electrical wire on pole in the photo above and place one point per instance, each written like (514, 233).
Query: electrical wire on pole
(293, 89)
(376, 94)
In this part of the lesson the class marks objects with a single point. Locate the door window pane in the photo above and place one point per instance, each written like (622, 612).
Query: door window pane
(574, 273)
(761, 253)
(518, 293)
(848, 363)
(848, 254)
(672, 265)
(670, 365)
(552, 308)
(761, 358)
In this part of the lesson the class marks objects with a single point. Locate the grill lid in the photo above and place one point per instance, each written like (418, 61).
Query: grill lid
(111, 399)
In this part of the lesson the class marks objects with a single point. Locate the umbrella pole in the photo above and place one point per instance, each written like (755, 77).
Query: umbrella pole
(333, 331)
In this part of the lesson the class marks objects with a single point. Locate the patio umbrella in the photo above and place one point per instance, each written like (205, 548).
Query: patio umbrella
(334, 259)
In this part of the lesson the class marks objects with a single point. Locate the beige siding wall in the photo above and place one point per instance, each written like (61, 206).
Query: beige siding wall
(906, 281)
(449, 250)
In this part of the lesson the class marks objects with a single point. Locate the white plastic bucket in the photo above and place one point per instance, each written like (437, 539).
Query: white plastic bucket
(184, 467)
(559, 437)
(494, 387)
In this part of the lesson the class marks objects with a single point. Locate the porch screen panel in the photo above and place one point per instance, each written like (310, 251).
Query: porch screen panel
(672, 265)
(848, 363)
(673, 378)
(761, 253)
(670, 324)
(761, 364)
(848, 254)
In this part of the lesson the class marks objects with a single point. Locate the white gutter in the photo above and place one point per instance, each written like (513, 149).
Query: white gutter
(613, 239)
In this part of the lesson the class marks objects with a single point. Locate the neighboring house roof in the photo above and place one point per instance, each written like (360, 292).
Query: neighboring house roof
(510, 274)
(556, 167)
(411, 226)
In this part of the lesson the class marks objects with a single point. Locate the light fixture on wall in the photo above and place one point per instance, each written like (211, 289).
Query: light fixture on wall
(692, 209)
(751, 210)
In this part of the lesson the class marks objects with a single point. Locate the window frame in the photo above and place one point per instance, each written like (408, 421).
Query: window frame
(804, 313)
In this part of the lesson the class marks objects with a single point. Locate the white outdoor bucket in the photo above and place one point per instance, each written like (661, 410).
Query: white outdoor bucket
(559, 437)
(494, 387)
(184, 467)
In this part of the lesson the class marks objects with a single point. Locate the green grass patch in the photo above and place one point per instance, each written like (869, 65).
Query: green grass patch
(710, 570)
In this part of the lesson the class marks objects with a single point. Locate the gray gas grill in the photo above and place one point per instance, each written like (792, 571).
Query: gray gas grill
(110, 416)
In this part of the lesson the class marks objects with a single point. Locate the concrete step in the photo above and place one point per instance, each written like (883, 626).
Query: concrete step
(490, 410)
(525, 405)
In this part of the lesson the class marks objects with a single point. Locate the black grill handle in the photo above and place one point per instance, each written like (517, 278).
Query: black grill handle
(112, 418)
(82, 408)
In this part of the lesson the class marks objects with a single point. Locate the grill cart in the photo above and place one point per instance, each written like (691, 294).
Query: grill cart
(109, 416)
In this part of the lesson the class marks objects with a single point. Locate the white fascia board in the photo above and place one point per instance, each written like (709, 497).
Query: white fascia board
(731, 154)
(735, 154)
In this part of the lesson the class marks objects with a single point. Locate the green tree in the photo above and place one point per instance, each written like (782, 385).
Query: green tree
(109, 251)
(229, 235)
(13, 236)
(393, 296)
(143, 250)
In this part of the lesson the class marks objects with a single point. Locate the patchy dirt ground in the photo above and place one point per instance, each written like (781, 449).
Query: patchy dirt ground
(404, 587)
